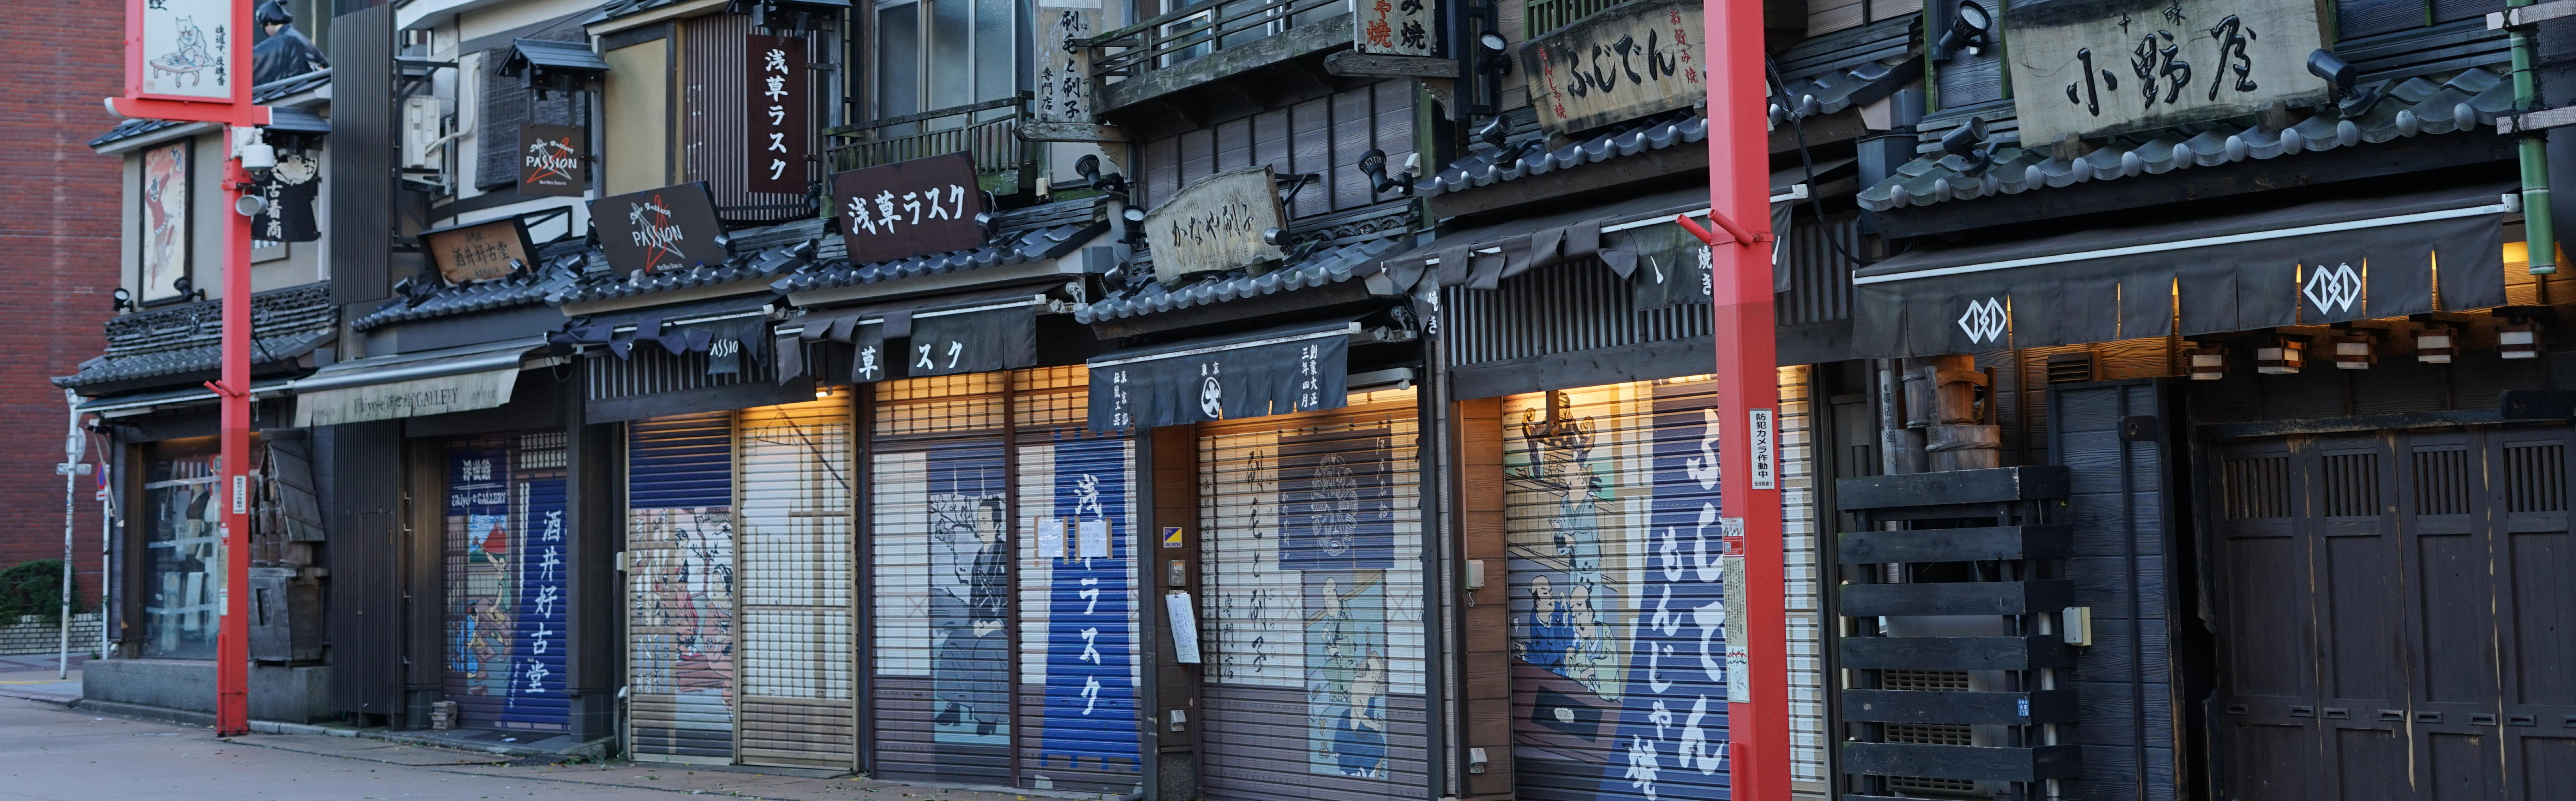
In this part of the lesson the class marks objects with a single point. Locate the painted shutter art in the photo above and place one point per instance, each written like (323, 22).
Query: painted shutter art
(799, 706)
(680, 589)
(505, 555)
(1312, 621)
(940, 516)
(1077, 639)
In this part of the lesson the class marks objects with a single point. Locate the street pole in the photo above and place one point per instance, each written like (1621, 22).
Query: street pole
(73, 443)
(1739, 170)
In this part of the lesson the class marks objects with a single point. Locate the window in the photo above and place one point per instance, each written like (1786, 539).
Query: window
(182, 558)
(2358, 18)
(935, 54)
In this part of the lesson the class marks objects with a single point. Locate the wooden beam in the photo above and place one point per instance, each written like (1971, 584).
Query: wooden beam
(1355, 64)
(1991, 485)
(1484, 659)
(1962, 761)
(2045, 541)
(1956, 653)
(1034, 131)
(1967, 708)
(1957, 598)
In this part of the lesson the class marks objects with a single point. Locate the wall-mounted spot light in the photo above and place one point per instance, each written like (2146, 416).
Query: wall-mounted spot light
(120, 299)
(249, 205)
(2282, 357)
(2208, 364)
(2434, 344)
(2518, 340)
(2341, 76)
(1135, 218)
(187, 289)
(1092, 178)
(1373, 165)
(1972, 29)
(1493, 54)
(2354, 350)
(1969, 142)
(821, 392)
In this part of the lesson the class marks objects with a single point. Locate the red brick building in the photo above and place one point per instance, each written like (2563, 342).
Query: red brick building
(61, 242)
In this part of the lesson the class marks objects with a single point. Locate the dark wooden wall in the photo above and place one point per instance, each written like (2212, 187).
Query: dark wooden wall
(1484, 654)
(363, 610)
(2120, 504)
(1173, 454)
(1323, 135)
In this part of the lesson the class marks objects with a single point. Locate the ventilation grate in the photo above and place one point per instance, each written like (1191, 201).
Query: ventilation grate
(2535, 478)
(2442, 482)
(2256, 488)
(2070, 368)
(1935, 680)
(2352, 485)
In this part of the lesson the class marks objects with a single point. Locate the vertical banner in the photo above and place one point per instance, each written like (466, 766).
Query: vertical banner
(1064, 70)
(166, 206)
(779, 139)
(537, 656)
(1089, 722)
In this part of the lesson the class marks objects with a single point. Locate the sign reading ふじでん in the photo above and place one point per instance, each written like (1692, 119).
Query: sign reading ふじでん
(1630, 61)
(659, 229)
(2092, 68)
(1215, 224)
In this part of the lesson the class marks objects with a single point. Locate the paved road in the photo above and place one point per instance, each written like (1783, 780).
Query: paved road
(55, 754)
(32, 676)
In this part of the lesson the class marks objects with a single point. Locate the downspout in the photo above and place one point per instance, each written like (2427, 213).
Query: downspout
(2538, 228)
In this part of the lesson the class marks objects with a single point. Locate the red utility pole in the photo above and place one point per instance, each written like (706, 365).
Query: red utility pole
(1739, 177)
(221, 53)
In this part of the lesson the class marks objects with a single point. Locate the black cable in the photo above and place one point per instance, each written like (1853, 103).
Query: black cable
(1806, 162)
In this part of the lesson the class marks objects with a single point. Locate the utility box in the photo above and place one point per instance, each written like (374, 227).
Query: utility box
(285, 615)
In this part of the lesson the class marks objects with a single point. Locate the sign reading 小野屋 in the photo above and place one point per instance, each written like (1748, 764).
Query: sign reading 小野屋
(1215, 224)
(1627, 62)
(670, 228)
(478, 252)
(909, 208)
(2093, 68)
(553, 160)
(777, 143)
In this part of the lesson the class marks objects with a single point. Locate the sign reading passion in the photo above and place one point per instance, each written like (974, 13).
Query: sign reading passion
(909, 208)
(659, 229)
(2091, 68)
(1215, 224)
(552, 161)
(478, 252)
(1630, 61)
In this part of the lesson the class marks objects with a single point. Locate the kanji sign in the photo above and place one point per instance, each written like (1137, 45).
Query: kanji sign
(670, 228)
(478, 252)
(1633, 60)
(1215, 224)
(2093, 68)
(1397, 28)
(185, 50)
(778, 140)
(909, 208)
(554, 160)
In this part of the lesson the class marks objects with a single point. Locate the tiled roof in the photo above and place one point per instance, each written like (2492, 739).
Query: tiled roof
(561, 271)
(1528, 155)
(760, 253)
(285, 324)
(1020, 235)
(2468, 99)
(273, 90)
(1331, 264)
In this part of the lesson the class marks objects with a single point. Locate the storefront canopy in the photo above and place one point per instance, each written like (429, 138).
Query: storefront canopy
(412, 384)
(1294, 368)
(2312, 264)
(967, 333)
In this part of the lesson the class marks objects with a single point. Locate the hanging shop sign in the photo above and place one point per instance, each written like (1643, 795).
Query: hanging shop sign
(778, 141)
(479, 252)
(659, 229)
(1300, 369)
(909, 208)
(1396, 28)
(290, 190)
(1064, 67)
(1672, 268)
(184, 49)
(2092, 68)
(554, 160)
(972, 342)
(1216, 225)
(1634, 60)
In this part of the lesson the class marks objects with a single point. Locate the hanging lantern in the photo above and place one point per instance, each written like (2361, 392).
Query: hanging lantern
(2282, 358)
(2208, 364)
(2433, 344)
(2518, 340)
(2352, 351)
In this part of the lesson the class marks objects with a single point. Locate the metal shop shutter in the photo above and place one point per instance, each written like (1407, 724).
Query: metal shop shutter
(939, 522)
(793, 557)
(1077, 616)
(1611, 522)
(1311, 560)
(679, 579)
(506, 570)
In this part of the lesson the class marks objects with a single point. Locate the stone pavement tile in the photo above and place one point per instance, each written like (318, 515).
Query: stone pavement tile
(370, 750)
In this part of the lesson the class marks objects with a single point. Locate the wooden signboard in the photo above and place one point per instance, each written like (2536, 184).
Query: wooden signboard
(670, 228)
(1064, 68)
(2093, 68)
(1215, 224)
(1627, 62)
(479, 252)
(1396, 28)
(909, 208)
(554, 160)
(779, 136)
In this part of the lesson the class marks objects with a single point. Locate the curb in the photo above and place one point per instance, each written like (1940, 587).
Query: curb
(595, 750)
(49, 698)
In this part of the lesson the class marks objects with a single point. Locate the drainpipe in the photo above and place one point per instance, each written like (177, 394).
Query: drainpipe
(2538, 228)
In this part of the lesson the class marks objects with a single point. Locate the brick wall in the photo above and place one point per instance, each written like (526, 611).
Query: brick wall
(32, 634)
(58, 256)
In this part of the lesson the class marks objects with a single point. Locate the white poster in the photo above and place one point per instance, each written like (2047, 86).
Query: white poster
(1185, 627)
(187, 48)
(1094, 542)
(1051, 538)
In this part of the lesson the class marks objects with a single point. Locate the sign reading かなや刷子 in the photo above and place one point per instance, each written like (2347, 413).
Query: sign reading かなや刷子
(1215, 224)
(2092, 68)
(1630, 61)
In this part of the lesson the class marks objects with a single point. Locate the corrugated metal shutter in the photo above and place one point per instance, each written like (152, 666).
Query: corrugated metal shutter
(1077, 616)
(1611, 521)
(506, 569)
(939, 514)
(1801, 540)
(680, 597)
(798, 703)
(1312, 620)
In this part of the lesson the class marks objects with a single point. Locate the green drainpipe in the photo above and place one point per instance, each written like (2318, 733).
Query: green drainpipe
(2536, 223)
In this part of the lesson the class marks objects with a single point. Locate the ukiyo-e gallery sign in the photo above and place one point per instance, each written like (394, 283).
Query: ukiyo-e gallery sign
(909, 208)
(778, 141)
(479, 252)
(1630, 61)
(669, 228)
(2091, 68)
(554, 160)
(1215, 225)
(184, 49)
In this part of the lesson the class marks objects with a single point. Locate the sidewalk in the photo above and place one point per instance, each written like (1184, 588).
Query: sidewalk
(31, 676)
(48, 752)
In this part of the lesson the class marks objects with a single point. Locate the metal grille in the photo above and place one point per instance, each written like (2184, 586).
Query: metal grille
(2256, 488)
(794, 556)
(506, 572)
(1820, 287)
(1562, 309)
(1929, 680)
(1543, 16)
(680, 589)
(544, 449)
(2535, 478)
(2070, 368)
(2352, 485)
(649, 370)
(2442, 482)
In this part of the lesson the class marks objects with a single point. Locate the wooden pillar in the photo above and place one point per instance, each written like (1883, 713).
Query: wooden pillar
(1961, 434)
(1172, 461)
(1484, 653)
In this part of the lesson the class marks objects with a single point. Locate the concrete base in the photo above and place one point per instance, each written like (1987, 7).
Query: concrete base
(289, 694)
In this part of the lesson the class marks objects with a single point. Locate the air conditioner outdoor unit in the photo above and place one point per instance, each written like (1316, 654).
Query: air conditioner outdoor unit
(424, 126)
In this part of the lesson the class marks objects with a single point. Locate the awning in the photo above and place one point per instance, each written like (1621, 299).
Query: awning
(2310, 264)
(1623, 234)
(1295, 368)
(141, 402)
(412, 384)
(976, 333)
(685, 328)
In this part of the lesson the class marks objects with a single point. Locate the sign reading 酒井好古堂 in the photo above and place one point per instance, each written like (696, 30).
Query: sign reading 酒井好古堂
(776, 119)
(1630, 61)
(1215, 224)
(909, 208)
(670, 228)
(479, 252)
(2092, 68)
(552, 161)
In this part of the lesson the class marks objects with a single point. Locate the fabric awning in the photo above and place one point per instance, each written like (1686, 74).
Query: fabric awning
(141, 402)
(1622, 234)
(412, 384)
(1294, 368)
(975, 333)
(2311, 264)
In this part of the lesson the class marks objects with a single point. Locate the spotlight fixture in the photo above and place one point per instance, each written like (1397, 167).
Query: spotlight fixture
(2353, 350)
(120, 299)
(2434, 344)
(1971, 29)
(1493, 56)
(2518, 340)
(1135, 218)
(821, 392)
(1970, 144)
(2340, 76)
(2283, 357)
(2208, 364)
(1373, 165)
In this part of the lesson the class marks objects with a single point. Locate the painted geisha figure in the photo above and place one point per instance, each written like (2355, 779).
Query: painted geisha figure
(968, 600)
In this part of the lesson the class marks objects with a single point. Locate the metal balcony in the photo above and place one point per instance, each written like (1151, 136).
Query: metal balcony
(1208, 41)
(989, 131)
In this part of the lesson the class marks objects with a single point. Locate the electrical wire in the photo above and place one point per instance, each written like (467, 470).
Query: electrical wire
(1806, 162)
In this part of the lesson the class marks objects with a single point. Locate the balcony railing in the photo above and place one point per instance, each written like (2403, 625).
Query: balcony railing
(989, 131)
(1200, 29)
(1542, 16)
